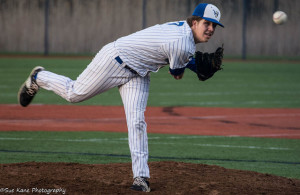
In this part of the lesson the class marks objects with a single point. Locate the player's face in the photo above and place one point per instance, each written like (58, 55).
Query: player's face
(203, 30)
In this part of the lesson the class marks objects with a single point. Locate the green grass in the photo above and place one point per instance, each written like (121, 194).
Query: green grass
(273, 156)
(261, 84)
(240, 84)
(268, 84)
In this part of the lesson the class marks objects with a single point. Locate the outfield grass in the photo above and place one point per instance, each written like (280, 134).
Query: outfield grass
(263, 84)
(274, 156)
(266, 84)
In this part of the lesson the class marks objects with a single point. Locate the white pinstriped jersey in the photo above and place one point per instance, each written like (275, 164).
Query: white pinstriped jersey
(157, 46)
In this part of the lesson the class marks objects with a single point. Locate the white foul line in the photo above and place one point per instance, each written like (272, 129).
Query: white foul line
(151, 143)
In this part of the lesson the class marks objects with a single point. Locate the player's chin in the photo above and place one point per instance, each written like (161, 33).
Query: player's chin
(207, 37)
(204, 40)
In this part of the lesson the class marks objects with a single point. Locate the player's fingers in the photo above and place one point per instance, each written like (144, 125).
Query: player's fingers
(178, 77)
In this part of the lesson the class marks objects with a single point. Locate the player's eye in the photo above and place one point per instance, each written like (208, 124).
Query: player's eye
(206, 22)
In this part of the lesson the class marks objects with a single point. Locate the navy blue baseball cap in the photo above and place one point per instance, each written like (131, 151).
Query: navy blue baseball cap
(208, 12)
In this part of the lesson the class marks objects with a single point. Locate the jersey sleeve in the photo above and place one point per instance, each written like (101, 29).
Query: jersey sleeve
(192, 65)
(178, 53)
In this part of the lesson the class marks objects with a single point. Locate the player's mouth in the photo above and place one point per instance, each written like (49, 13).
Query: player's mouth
(208, 35)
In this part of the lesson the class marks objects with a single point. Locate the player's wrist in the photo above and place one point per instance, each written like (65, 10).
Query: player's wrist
(177, 71)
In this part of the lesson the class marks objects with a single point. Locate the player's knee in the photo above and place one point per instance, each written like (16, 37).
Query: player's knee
(76, 95)
(75, 99)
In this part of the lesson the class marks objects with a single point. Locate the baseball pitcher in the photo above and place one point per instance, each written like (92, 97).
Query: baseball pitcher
(127, 63)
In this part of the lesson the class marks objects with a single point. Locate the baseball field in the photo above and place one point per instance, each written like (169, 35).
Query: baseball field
(237, 133)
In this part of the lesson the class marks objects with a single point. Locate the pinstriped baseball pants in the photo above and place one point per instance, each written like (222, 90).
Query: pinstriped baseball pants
(102, 74)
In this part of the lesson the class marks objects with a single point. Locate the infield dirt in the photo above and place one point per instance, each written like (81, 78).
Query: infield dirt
(166, 178)
(248, 122)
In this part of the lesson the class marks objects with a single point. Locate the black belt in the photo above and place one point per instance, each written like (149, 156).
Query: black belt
(120, 61)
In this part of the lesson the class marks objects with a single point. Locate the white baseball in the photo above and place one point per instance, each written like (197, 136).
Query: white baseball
(279, 17)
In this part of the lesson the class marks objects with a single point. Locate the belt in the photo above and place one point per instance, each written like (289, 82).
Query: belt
(120, 61)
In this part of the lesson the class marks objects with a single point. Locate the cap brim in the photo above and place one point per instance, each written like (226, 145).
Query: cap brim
(214, 21)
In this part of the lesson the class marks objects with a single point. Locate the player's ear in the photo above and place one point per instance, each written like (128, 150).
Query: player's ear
(194, 22)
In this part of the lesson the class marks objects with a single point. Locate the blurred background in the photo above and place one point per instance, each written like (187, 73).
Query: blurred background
(84, 26)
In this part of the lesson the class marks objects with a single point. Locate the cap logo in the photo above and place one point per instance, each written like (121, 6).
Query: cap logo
(216, 13)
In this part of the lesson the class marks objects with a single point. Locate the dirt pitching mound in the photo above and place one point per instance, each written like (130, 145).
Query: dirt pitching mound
(166, 178)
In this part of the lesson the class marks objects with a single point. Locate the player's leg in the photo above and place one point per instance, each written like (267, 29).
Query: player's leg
(103, 73)
(135, 96)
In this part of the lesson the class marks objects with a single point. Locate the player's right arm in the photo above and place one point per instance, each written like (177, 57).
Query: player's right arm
(178, 55)
(177, 73)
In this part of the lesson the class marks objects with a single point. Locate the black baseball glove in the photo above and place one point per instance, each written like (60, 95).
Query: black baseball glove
(208, 63)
